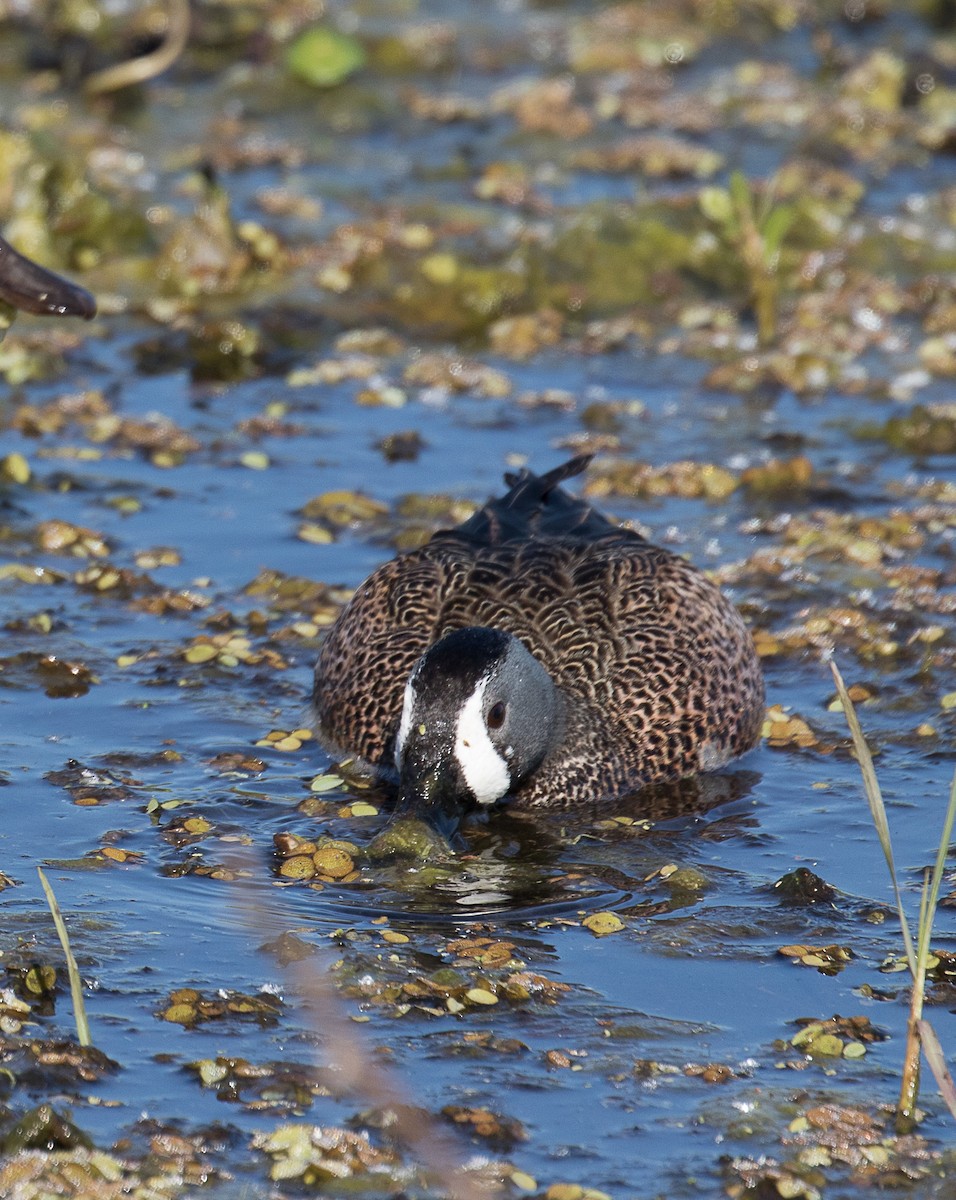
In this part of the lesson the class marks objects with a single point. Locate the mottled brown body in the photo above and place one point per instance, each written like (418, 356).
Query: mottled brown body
(657, 672)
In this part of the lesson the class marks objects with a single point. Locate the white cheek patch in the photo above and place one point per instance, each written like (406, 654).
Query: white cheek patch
(485, 771)
(405, 724)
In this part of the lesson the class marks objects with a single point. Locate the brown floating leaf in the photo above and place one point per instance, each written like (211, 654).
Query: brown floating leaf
(501, 1132)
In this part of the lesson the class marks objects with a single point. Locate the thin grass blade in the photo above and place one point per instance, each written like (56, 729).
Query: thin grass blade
(939, 868)
(937, 1064)
(76, 984)
(877, 808)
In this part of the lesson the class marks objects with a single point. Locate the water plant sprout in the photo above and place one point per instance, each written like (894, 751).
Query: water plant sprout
(919, 1032)
(76, 983)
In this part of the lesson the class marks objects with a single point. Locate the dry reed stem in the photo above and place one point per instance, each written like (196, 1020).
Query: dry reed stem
(145, 66)
(355, 1071)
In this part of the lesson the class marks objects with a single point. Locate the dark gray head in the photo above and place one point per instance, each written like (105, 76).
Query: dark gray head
(478, 718)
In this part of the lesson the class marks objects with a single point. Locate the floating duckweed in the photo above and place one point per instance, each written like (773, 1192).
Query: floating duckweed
(287, 743)
(777, 478)
(574, 1191)
(687, 879)
(326, 783)
(15, 468)
(323, 57)
(333, 862)
(479, 995)
(159, 556)
(828, 960)
(211, 1071)
(201, 652)
(923, 430)
(317, 1154)
(60, 537)
(523, 1181)
(299, 866)
(181, 1014)
(603, 923)
(837, 1037)
(119, 855)
(23, 573)
(187, 1006)
(484, 950)
(316, 535)
(385, 396)
(439, 268)
(343, 508)
(686, 479)
(783, 729)
(362, 809)
(305, 629)
(196, 825)
(815, 1042)
(40, 980)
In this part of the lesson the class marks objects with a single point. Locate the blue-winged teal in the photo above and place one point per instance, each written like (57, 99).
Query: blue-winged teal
(539, 653)
(25, 284)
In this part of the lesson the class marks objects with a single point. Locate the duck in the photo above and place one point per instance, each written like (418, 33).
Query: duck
(540, 656)
(26, 285)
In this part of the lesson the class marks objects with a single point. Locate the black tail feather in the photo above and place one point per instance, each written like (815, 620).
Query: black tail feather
(543, 484)
(536, 506)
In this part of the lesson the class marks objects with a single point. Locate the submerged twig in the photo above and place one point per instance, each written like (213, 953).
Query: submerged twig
(145, 66)
(76, 983)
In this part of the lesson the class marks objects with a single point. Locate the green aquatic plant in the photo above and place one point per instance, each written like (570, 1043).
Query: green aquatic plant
(752, 228)
(919, 1032)
(76, 983)
(324, 57)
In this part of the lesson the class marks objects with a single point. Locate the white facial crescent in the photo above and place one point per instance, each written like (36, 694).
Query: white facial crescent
(485, 771)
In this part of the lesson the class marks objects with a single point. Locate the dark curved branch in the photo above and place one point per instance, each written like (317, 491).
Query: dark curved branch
(34, 289)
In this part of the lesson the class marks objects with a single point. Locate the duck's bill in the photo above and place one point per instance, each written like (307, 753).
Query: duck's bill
(431, 792)
(28, 286)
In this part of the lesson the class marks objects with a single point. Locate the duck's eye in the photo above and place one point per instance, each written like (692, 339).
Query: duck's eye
(496, 715)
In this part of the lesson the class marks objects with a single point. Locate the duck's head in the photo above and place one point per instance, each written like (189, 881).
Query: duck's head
(479, 716)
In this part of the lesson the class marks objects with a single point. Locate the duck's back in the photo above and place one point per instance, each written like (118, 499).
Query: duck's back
(656, 669)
